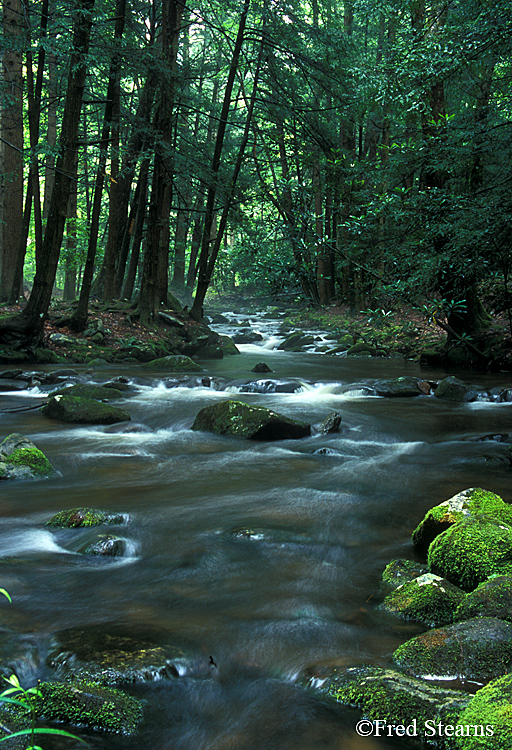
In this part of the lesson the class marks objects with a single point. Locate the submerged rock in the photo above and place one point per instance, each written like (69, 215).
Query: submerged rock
(111, 654)
(492, 598)
(20, 459)
(428, 599)
(77, 517)
(491, 709)
(83, 411)
(472, 550)
(86, 704)
(97, 392)
(253, 422)
(478, 650)
(387, 695)
(173, 363)
(468, 503)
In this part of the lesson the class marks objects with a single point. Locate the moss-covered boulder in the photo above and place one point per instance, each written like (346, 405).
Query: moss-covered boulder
(253, 422)
(78, 517)
(20, 459)
(111, 654)
(428, 599)
(471, 502)
(87, 704)
(389, 696)
(454, 389)
(478, 650)
(330, 424)
(228, 346)
(472, 550)
(296, 341)
(104, 546)
(80, 410)
(404, 387)
(492, 598)
(83, 390)
(491, 709)
(398, 572)
(173, 363)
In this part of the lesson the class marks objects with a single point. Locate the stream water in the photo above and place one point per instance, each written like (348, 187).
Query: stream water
(266, 557)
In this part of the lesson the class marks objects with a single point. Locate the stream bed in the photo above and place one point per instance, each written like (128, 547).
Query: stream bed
(262, 561)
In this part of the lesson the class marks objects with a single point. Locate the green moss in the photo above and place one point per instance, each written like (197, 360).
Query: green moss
(79, 410)
(101, 708)
(492, 598)
(428, 599)
(479, 649)
(77, 517)
(472, 550)
(253, 422)
(389, 696)
(34, 458)
(173, 363)
(401, 571)
(491, 706)
(471, 502)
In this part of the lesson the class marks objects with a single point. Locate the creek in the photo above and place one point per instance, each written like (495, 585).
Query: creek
(263, 559)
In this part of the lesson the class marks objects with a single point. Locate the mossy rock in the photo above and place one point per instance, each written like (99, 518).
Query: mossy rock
(296, 341)
(10, 356)
(454, 389)
(228, 346)
(253, 422)
(404, 387)
(173, 363)
(492, 598)
(14, 719)
(471, 551)
(87, 704)
(80, 410)
(398, 572)
(428, 599)
(388, 695)
(471, 502)
(20, 459)
(78, 517)
(111, 654)
(490, 707)
(479, 650)
(97, 392)
(104, 546)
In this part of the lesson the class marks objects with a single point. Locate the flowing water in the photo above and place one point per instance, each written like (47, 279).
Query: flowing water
(264, 559)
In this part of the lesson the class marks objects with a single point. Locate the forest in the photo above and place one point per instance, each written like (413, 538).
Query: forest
(355, 152)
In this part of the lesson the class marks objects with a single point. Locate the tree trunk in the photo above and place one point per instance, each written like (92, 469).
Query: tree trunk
(12, 139)
(27, 327)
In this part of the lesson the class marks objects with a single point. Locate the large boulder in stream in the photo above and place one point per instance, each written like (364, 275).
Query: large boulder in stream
(173, 363)
(471, 551)
(468, 503)
(84, 390)
(20, 459)
(253, 422)
(389, 696)
(478, 650)
(428, 599)
(492, 598)
(454, 389)
(80, 410)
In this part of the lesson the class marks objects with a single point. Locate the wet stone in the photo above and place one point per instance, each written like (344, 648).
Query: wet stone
(113, 654)
(78, 517)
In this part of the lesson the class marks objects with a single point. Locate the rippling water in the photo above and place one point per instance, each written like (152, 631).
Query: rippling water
(266, 556)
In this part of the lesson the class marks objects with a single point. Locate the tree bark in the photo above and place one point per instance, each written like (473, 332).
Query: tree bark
(28, 325)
